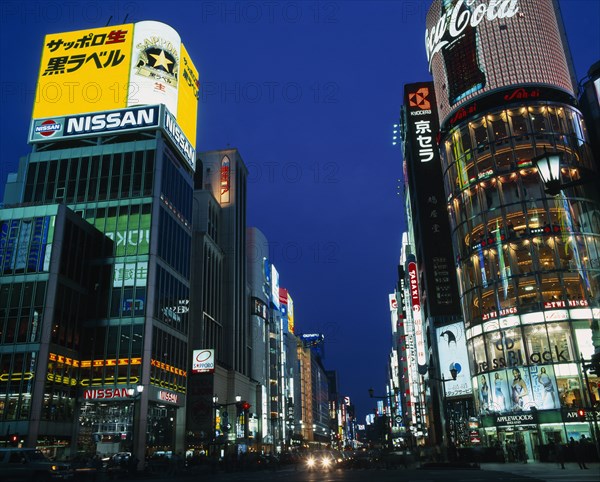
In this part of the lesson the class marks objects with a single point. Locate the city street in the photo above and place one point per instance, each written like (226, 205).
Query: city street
(488, 472)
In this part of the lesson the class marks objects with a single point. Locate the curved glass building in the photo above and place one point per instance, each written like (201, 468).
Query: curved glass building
(528, 263)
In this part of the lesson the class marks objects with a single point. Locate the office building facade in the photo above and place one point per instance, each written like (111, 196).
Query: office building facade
(128, 172)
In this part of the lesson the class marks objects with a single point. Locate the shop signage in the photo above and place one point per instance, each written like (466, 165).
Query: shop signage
(203, 361)
(516, 419)
(165, 396)
(137, 118)
(106, 393)
(505, 97)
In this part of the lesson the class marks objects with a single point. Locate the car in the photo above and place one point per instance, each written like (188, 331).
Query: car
(321, 460)
(17, 464)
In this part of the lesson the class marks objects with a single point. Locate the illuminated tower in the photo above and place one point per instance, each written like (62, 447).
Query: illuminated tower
(527, 262)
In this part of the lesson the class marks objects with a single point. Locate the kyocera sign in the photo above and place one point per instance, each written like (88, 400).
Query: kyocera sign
(105, 394)
(123, 120)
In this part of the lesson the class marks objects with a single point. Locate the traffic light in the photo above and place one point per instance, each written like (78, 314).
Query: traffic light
(581, 414)
(13, 439)
(245, 406)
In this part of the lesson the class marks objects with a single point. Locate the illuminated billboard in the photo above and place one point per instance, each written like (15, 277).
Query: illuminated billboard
(112, 68)
(413, 283)
(476, 47)
(203, 361)
(453, 354)
(117, 121)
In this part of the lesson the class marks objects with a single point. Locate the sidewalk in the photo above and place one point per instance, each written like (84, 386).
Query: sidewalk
(549, 471)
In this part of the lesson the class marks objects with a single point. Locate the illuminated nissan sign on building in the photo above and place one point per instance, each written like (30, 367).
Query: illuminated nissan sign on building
(111, 68)
(475, 47)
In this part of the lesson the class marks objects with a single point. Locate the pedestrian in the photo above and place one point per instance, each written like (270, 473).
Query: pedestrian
(560, 454)
(581, 452)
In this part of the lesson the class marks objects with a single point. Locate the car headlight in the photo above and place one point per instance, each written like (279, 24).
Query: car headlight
(326, 462)
(310, 462)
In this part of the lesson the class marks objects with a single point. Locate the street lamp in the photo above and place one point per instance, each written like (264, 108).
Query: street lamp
(548, 166)
(443, 380)
(135, 394)
(391, 421)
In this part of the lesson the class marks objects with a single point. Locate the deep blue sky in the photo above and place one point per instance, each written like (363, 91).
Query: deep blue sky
(308, 92)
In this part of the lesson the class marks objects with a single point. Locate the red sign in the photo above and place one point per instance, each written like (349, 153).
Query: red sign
(105, 393)
(414, 285)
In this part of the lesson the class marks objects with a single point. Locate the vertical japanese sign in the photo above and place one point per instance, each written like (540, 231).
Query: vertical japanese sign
(413, 285)
(427, 189)
(225, 180)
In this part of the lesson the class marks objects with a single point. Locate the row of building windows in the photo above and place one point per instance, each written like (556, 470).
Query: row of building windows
(91, 178)
(176, 186)
(505, 142)
(26, 244)
(174, 243)
(21, 306)
(127, 225)
(172, 352)
(171, 303)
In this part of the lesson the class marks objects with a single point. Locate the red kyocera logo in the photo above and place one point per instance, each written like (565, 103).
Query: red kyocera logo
(419, 99)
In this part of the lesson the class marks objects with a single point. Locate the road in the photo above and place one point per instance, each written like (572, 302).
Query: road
(487, 473)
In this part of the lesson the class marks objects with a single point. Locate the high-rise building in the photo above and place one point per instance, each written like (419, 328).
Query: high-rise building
(221, 305)
(526, 261)
(116, 359)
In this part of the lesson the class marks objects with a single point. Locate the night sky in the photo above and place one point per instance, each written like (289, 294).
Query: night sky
(308, 92)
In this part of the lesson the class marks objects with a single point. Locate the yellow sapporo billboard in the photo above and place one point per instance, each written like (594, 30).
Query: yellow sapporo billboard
(114, 67)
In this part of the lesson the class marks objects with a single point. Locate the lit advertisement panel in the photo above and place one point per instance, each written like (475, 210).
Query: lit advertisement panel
(291, 323)
(275, 287)
(187, 100)
(131, 234)
(116, 121)
(452, 352)
(154, 70)
(25, 244)
(479, 46)
(413, 282)
(84, 71)
(428, 198)
(112, 68)
(203, 361)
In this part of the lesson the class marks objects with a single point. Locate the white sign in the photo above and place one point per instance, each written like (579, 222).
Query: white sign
(203, 361)
(456, 19)
(167, 396)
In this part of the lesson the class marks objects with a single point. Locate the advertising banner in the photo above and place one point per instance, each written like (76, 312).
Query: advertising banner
(427, 191)
(110, 69)
(84, 71)
(475, 47)
(452, 352)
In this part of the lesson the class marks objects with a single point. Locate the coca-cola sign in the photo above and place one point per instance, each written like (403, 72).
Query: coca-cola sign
(455, 19)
